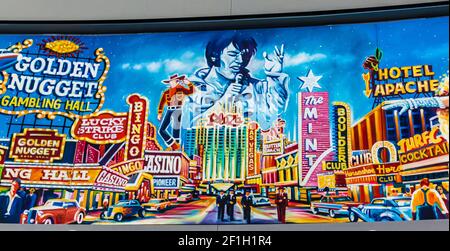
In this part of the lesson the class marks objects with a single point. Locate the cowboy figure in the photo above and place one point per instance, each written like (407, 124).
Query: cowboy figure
(173, 98)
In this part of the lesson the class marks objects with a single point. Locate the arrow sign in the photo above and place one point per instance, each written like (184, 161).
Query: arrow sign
(366, 77)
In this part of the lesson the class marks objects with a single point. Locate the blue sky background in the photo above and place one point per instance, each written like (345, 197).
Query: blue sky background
(140, 61)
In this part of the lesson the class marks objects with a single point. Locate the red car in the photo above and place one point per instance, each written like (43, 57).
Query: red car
(55, 211)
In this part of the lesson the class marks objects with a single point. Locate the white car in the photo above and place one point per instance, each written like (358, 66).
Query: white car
(260, 201)
(185, 198)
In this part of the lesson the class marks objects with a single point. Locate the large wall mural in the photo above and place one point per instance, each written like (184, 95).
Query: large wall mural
(338, 123)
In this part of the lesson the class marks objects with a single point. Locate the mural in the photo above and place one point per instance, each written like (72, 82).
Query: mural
(339, 123)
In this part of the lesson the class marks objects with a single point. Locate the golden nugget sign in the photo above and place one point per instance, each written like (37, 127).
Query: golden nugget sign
(37, 145)
(391, 81)
(53, 78)
(422, 146)
(101, 128)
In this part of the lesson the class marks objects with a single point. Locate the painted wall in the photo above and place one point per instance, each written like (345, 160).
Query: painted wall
(150, 128)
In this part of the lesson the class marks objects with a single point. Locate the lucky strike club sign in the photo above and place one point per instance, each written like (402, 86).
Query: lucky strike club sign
(102, 128)
(52, 78)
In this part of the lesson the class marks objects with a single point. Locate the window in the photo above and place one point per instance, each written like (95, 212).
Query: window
(378, 202)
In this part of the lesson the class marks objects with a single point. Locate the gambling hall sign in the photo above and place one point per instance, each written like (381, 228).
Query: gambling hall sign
(53, 79)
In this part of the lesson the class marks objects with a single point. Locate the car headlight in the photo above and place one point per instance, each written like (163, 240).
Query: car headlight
(361, 206)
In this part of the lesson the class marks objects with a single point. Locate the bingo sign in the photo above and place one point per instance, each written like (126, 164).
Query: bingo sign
(137, 127)
(341, 137)
(102, 128)
(313, 133)
(37, 145)
(55, 76)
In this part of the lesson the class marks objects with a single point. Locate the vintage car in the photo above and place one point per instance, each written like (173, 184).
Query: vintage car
(123, 209)
(55, 211)
(333, 205)
(157, 205)
(260, 201)
(383, 209)
(185, 197)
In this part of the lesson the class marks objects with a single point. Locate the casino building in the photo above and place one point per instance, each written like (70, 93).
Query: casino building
(379, 126)
(224, 154)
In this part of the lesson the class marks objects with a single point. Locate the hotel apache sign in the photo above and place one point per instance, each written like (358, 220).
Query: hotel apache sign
(37, 145)
(51, 79)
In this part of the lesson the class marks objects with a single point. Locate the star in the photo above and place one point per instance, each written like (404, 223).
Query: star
(310, 81)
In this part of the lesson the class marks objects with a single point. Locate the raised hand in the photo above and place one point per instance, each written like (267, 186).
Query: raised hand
(274, 62)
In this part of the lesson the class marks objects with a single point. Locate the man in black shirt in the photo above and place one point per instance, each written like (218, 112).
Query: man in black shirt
(231, 201)
(221, 201)
(247, 206)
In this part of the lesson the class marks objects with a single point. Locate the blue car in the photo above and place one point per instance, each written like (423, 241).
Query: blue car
(383, 209)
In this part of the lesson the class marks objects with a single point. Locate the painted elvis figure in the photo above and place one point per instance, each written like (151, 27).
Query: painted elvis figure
(227, 82)
(173, 98)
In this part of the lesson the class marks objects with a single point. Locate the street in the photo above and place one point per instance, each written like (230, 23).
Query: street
(204, 211)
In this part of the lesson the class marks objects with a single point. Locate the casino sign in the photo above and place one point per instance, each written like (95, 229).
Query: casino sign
(54, 78)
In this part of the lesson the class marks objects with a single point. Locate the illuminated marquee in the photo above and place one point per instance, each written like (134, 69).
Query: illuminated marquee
(381, 88)
(275, 147)
(341, 137)
(422, 146)
(128, 167)
(251, 154)
(54, 84)
(137, 127)
(226, 119)
(37, 145)
(101, 128)
(51, 175)
(165, 162)
(313, 132)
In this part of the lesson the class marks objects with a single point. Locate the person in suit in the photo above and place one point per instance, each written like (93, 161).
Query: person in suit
(231, 201)
(11, 204)
(281, 201)
(221, 201)
(247, 204)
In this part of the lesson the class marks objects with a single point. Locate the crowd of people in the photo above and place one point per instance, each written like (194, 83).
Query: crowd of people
(228, 201)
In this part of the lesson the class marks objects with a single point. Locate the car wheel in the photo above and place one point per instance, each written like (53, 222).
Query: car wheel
(386, 219)
(48, 221)
(141, 213)
(79, 218)
(331, 213)
(118, 217)
(102, 216)
(353, 217)
(314, 210)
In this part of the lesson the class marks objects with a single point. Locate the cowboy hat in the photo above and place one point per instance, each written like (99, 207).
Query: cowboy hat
(174, 77)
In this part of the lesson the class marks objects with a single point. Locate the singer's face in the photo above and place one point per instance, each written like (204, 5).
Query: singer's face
(231, 62)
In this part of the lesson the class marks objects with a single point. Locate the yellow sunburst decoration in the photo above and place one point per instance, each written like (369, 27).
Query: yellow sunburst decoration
(62, 46)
